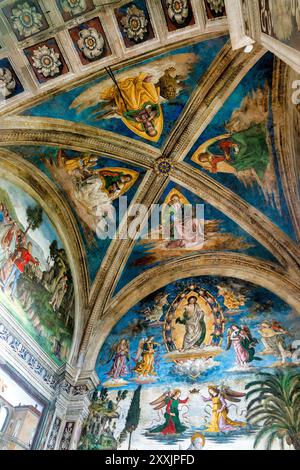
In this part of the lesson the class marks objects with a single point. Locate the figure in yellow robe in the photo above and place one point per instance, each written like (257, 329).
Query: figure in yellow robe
(85, 162)
(146, 351)
(138, 104)
(220, 422)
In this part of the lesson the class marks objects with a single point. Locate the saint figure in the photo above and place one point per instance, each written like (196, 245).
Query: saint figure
(220, 422)
(145, 357)
(195, 328)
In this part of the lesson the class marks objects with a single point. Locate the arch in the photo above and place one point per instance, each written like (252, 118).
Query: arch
(22, 173)
(287, 138)
(58, 132)
(262, 273)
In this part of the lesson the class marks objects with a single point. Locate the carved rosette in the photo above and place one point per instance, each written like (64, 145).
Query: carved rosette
(163, 166)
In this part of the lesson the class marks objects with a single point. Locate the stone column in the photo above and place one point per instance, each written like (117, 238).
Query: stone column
(74, 397)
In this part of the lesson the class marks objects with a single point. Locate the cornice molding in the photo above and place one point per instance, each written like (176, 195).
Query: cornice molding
(57, 132)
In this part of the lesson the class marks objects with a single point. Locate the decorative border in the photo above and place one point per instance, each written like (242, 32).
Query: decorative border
(54, 434)
(29, 359)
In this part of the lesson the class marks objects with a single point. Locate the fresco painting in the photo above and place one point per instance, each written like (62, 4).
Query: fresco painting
(237, 148)
(180, 365)
(177, 232)
(137, 98)
(93, 185)
(98, 102)
(142, 101)
(36, 285)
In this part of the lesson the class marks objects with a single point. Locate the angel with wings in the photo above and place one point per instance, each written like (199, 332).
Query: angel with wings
(155, 313)
(136, 96)
(220, 422)
(172, 424)
(145, 357)
(119, 353)
(243, 344)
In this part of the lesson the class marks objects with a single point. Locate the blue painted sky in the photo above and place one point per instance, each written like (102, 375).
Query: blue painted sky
(132, 269)
(96, 248)
(272, 308)
(256, 78)
(20, 200)
(59, 106)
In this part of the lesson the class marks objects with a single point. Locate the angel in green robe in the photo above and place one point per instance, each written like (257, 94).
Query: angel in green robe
(172, 423)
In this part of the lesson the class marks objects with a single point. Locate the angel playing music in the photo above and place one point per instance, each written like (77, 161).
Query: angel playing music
(220, 422)
(145, 357)
(172, 424)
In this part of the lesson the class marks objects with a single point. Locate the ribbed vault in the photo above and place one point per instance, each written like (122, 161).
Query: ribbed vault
(97, 307)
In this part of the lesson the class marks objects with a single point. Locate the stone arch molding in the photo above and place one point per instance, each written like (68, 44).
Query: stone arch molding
(223, 76)
(26, 176)
(262, 273)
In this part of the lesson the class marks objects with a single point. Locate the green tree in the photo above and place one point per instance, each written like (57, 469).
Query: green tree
(133, 416)
(274, 406)
(34, 217)
(122, 394)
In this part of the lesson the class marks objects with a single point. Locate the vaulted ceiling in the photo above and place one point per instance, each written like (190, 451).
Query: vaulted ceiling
(63, 112)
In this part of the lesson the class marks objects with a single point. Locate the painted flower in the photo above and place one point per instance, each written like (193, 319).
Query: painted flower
(46, 61)
(7, 82)
(135, 23)
(91, 43)
(178, 10)
(216, 5)
(74, 7)
(26, 19)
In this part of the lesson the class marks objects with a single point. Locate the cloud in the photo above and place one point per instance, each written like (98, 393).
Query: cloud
(194, 367)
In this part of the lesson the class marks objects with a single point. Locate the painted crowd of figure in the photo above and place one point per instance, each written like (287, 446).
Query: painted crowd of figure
(144, 358)
(21, 274)
(16, 252)
(190, 333)
(238, 337)
(199, 333)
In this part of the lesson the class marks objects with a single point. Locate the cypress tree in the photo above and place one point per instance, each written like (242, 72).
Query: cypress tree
(133, 416)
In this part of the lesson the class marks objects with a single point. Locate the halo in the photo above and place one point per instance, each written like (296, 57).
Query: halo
(196, 435)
